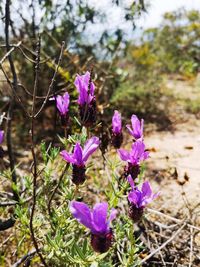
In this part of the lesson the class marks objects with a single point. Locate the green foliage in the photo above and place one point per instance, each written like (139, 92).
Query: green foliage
(64, 241)
(175, 44)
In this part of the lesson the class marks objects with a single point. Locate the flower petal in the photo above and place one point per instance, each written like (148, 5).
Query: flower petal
(82, 83)
(78, 154)
(124, 154)
(67, 157)
(92, 88)
(100, 217)
(82, 213)
(113, 215)
(146, 189)
(116, 122)
(129, 129)
(131, 182)
(62, 103)
(90, 146)
(136, 125)
(133, 197)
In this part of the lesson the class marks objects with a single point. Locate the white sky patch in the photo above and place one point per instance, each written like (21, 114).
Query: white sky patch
(159, 7)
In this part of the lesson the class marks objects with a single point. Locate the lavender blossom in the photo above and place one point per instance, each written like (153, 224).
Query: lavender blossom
(86, 99)
(137, 127)
(117, 136)
(95, 220)
(79, 158)
(1, 141)
(134, 158)
(139, 199)
(62, 104)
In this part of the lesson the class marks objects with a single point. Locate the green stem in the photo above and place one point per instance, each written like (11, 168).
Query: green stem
(132, 248)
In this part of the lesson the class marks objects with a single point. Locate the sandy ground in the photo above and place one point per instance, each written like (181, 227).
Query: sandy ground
(175, 156)
(178, 151)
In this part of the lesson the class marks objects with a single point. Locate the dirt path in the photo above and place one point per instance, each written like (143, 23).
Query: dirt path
(175, 157)
(177, 151)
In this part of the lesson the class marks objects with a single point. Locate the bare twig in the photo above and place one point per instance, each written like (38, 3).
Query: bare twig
(172, 218)
(164, 244)
(55, 189)
(14, 92)
(9, 52)
(191, 247)
(34, 156)
(8, 203)
(30, 254)
(52, 81)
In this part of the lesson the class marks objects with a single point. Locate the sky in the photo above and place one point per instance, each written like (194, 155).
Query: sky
(153, 17)
(159, 7)
(115, 15)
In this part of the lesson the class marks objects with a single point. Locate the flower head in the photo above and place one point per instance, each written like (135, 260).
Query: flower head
(80, 156)
(137, 127)
(136, 155)
(96, 219)
(86, 94)
(140, 198)
(116, 123)
(62, 103)
(1, 136)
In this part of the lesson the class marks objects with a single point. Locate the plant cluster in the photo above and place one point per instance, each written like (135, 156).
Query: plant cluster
(64, 192)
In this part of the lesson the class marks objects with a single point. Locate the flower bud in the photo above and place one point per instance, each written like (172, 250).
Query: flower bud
(78, 174)
(133, 170)
(88, 113)
(117, 140)
(102, 243)
(135, 213)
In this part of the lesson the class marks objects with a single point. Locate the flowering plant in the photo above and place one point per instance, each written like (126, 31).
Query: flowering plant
(137, 127)
(59, 194)
(96, 221)
(117, 136)
(86, 98)
(79, 158)
(134, 158)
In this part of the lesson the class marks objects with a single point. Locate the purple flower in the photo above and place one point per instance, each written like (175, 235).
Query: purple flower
(86, 94)
(137, 127)
(79, 158)
(1, 136)
(62, 103)
(116, 123)
(136, 155)
(134, 158)
(139, 199)
(86, 99)
(117, 136)
(95, 220)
